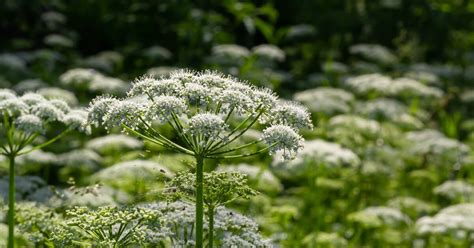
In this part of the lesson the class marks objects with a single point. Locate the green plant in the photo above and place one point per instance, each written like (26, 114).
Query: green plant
(25, 118)
(208, 112)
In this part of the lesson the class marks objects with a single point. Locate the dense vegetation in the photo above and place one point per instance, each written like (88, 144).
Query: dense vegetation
(237, 123)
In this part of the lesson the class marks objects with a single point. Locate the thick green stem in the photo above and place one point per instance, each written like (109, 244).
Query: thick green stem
(211, 227)
(199, 201)
(11, 203)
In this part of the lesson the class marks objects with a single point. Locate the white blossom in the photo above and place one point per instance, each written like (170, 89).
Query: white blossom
(29, 124)
(114, 142)
(282, 138)
(455, 190)
(378, 216)
(47, 111)
(163, 108)
(207, 124)
(326, 100)
(374, 52)
(454, 220)
(291, 114)
(270, 52)
(58, 93)
(7, 94)
(232, 51)
(315, 153)
(31, 98)
(13, 107)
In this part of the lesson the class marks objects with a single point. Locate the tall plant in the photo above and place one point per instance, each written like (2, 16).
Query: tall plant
(208, 112)
(25, 118)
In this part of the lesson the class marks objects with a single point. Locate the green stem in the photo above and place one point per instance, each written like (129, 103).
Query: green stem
(11, 203)
(211, 226)
(199, 201)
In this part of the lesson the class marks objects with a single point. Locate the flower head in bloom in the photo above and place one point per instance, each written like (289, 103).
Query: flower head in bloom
(58, 93)
(114, 142)
(28, 115)
(99, 108)
(203, 108)
(29, 124)
(283, 138)
(270, 52)
(232, 51)
(47, 111)
(77, 119)
(31, 98)
(6, 94)
(13, 106)
(123, 112)
(291, 114)
(456, 219)
(207, 124)
(164, 107)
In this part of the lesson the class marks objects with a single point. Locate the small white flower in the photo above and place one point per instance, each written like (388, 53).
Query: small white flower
(99, 108)
(196, 93)
(6, 94)
(47, 112)
(374, 52)
(264, 98)
(270, 52)
(211, 79)
(31, 98)
(29, 124)
(13, 106)
(234, 99)
(77, 119)
(206, 124)
(283, 138)
(163, 107)
(61, 105)
(231, 50)
(291, 114)
(58, 93)
(455, 190)
(183, 76)
(123, 112)
(326, 100)
(114, 142)
(78, 77)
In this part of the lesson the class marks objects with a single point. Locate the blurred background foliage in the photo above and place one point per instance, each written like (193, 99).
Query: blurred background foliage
(389, 84)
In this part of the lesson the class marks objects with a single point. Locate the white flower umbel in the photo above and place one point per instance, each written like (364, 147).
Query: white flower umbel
(326, 100)
(24, 119)
(209, 112)
(456, 221)
(455, 190)
(283, 138)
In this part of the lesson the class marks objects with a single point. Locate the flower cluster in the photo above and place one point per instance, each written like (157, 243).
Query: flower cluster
(433, 143)
(111, 226)
(31, 113)
(89, 79)
(318, 153)
(232, 51)
(175, 222)
(385, 86)
(455, 220)
(455, 190)
(380, 216)
(202, 108)
(219, 187)
(326, 100)
(375, 53)
(113, 143)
